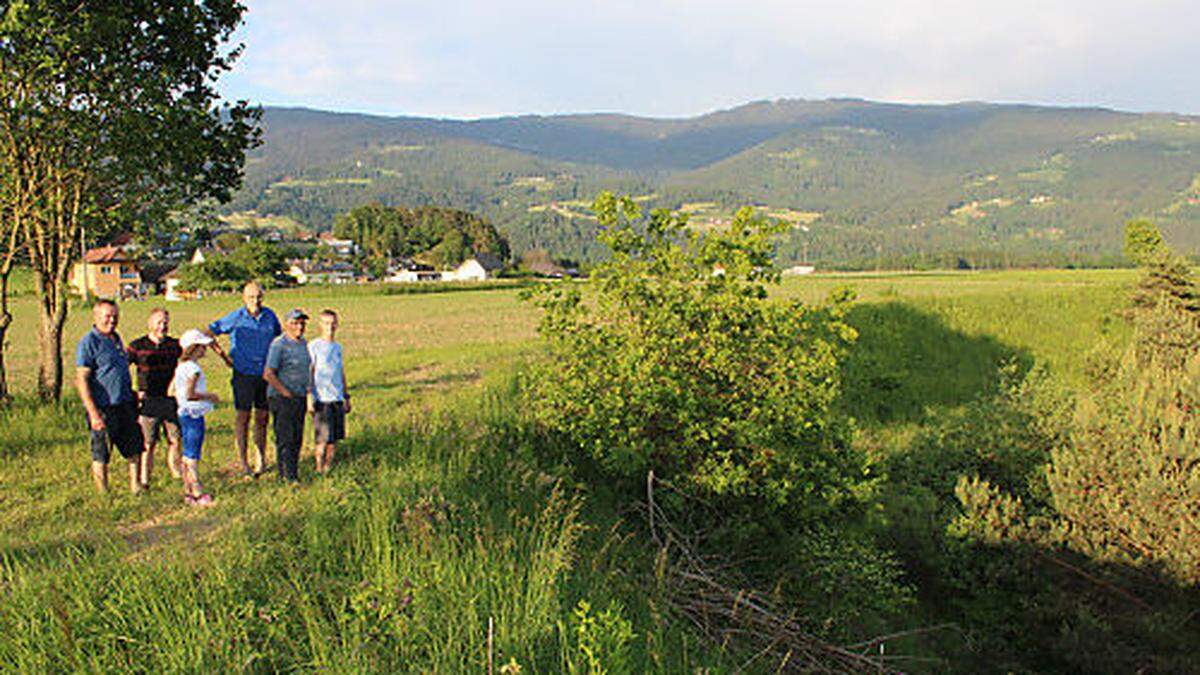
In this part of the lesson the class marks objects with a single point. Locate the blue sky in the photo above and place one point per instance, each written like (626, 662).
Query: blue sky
(671, 58)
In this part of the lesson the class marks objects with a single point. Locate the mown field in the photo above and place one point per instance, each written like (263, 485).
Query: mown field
(440, 517)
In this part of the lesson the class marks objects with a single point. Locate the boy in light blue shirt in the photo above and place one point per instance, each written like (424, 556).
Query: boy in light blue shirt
(330, 399)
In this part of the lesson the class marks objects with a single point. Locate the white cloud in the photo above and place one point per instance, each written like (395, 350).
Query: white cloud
(675, 57)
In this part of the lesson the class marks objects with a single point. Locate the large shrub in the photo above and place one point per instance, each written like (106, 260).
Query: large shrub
(1115, 537)
(675, 360)
(1125, 486)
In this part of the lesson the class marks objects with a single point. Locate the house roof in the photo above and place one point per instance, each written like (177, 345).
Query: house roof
(122, 240)
(489, 261)
(546, 268)
(157, 271)
(107, 254)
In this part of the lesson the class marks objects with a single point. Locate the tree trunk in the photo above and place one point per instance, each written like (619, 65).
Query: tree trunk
(12, 236)
(52, 244)
(5, 322)
(4, 394)
(50, 366)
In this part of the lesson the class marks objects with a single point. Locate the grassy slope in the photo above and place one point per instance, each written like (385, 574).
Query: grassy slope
(430, 525)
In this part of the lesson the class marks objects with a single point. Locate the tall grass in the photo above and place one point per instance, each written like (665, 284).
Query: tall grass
(402, 570)
(439, 515)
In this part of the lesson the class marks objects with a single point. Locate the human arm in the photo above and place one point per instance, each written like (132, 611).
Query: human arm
(275, 383)
(219, 327)
(271, 371)
(345, 394)
(312, 376)
(220, 351)
(85, 364)
(95, 419)
(190, 393)
(132, 355)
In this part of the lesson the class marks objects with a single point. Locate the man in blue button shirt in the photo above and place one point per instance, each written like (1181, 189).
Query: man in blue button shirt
(251, 328)
(106, 389)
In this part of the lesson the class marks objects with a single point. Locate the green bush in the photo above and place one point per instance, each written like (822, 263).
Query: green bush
(1103, 565)
(1125, 486)
(254, 259)
(677, 362)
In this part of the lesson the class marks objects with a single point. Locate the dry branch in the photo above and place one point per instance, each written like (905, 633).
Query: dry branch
(727, 614)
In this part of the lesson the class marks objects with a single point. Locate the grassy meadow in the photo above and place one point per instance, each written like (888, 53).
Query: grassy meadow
(440, 518)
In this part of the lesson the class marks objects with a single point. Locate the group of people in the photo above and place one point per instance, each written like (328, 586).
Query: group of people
(278, 376)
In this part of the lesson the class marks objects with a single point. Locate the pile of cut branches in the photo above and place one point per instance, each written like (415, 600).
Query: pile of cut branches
(707, 593)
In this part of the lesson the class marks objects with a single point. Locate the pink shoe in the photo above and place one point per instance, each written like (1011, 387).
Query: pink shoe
(205, 500)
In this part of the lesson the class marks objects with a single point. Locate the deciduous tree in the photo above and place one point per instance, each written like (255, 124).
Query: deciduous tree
(109, 116)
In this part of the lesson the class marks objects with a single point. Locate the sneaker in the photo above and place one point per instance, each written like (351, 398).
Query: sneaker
(205, 500)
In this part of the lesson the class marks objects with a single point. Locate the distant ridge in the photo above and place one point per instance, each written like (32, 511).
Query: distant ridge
(867, 179)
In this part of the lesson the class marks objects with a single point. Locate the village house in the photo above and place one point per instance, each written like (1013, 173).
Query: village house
(109, 272)
(342, 247)
(479, 267)
(309, 272)
(154, 275)
(408, 272)
(171, 290)
(203, 253)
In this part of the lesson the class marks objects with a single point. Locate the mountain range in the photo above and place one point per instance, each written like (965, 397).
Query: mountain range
(861, 182)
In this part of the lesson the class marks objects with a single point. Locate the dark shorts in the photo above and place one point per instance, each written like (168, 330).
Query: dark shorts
(249, 392)
(158, 415)
(329, 422)
(120, 429)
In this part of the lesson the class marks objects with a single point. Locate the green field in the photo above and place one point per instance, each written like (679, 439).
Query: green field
(439, 517)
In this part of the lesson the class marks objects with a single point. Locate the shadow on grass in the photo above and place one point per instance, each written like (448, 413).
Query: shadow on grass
(907, 360)
(1026, 608)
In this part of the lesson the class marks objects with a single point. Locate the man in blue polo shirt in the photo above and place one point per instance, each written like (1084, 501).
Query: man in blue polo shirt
(251, 328)
(106, 389)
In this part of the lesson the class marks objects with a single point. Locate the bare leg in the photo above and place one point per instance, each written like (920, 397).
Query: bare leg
(173, 457)
(135, 470)
(241, 426)
(191, 478)
(319, 457)
(100, 476)
(261, 419)
(146, 463)
(330, 448)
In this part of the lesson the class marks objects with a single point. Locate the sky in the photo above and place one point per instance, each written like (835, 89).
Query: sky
(679, 58)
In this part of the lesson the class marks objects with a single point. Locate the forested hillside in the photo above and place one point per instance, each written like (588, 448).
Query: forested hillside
(863, 183)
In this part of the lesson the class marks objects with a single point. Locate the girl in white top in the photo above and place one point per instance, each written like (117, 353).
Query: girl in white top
(194, 402)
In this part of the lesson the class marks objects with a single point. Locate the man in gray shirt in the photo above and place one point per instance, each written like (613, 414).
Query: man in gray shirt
(289, 379)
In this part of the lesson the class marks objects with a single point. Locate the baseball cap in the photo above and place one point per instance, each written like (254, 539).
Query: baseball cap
(193, 337)
(295, 313)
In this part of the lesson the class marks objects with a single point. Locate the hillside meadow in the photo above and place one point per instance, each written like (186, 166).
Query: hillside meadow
(441, 518)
